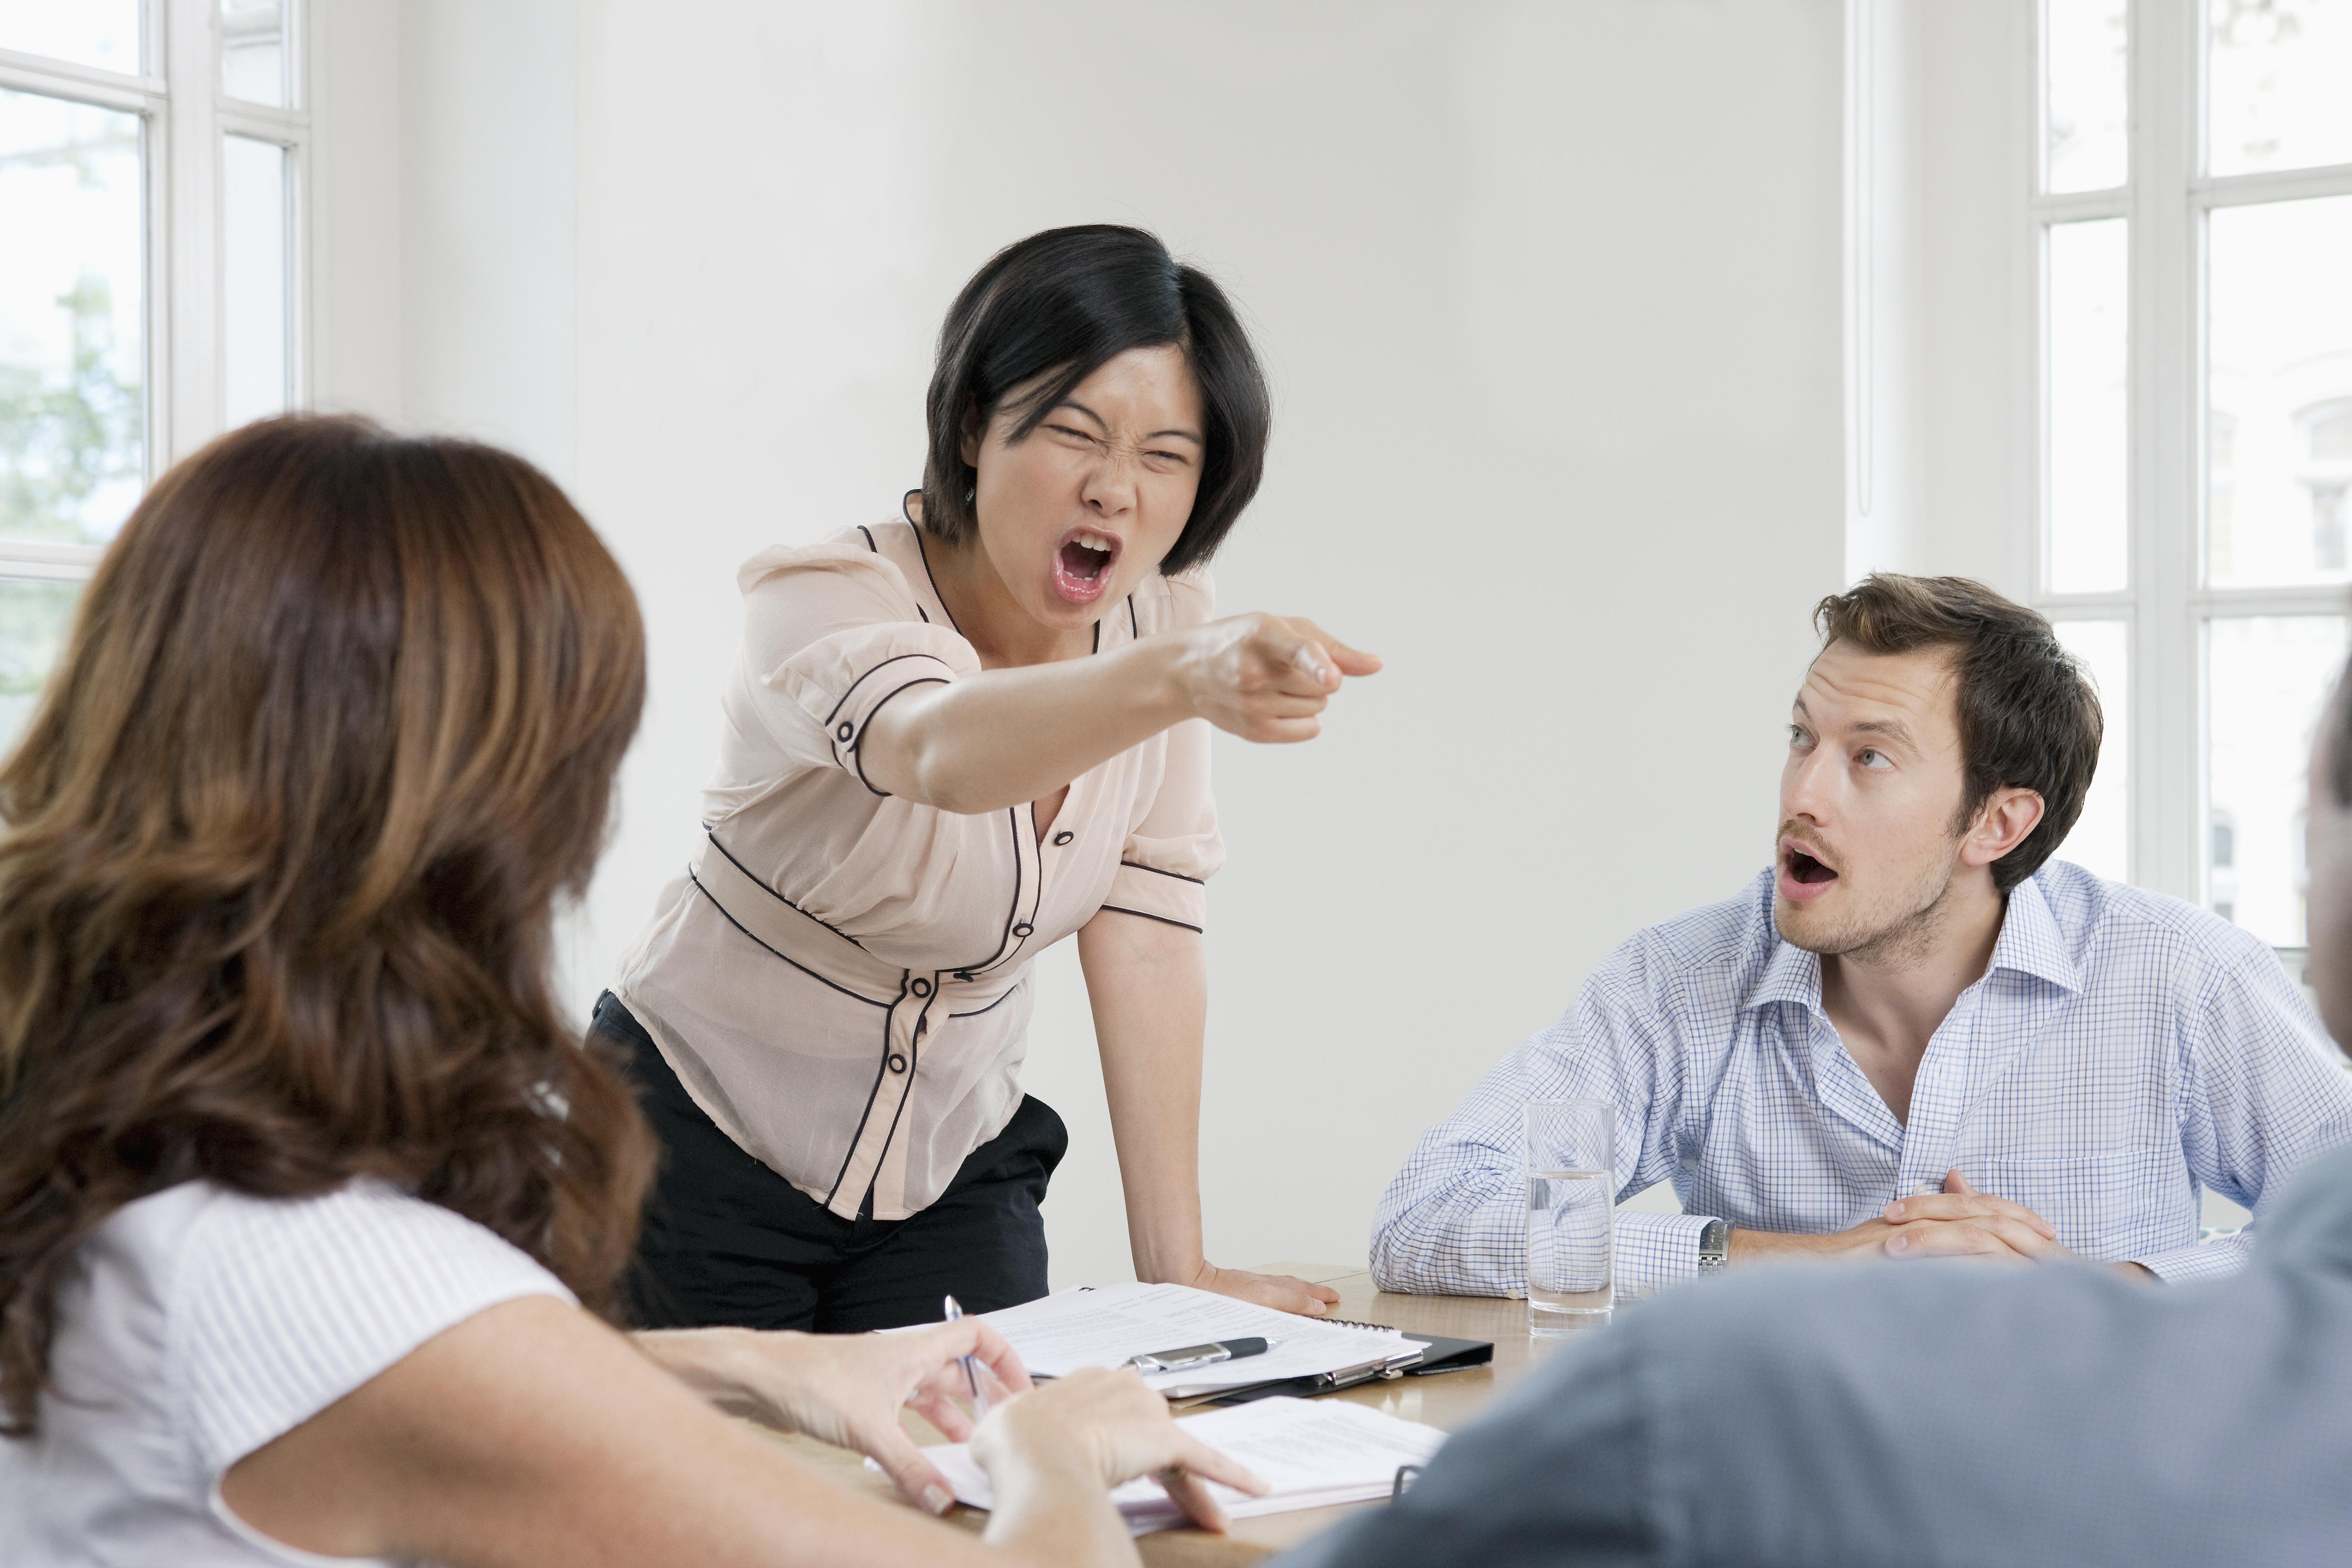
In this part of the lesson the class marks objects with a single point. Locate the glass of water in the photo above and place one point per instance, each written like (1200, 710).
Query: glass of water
(1571, 1235)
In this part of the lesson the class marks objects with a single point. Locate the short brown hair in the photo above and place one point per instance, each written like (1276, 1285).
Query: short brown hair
(336, 725)
(2029, 716)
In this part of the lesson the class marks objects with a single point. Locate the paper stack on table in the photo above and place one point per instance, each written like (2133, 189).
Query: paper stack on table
(1314, 1455)
(1105, 1325)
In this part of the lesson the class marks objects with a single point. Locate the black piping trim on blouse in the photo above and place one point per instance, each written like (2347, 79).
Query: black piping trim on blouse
(805, 969)
(993, 1006)
(1164, 920)
(867, 676)
(773, 894)
(1007, 944)
(858, 747)
(1134, 629)
(880, 1067)
(914, 1060)
(877, 550)
(1156, 871)
(942, 598)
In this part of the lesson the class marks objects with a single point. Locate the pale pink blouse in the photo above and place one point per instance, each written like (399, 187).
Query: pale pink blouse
(841, 978)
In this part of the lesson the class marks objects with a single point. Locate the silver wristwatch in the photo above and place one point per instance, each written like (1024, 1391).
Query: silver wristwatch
(1713, 1246)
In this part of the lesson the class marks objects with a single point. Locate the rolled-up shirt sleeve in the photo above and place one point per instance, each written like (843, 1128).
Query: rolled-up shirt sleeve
(831, 634)
(1174, 846)
(1455, 1219)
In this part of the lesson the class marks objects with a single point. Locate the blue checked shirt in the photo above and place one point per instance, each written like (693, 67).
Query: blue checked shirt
(2123, 1051)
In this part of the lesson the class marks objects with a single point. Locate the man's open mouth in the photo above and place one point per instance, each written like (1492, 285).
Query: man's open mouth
(1082, 566)
(1803, 868)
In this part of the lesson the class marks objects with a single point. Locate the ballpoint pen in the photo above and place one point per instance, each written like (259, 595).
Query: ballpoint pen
(971, 1368)
(1185, 1358)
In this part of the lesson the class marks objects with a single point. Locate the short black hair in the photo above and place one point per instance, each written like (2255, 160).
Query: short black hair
(2029, 718)
(1061, 305)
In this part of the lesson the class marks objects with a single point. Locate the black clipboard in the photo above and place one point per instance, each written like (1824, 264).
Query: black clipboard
(1438, 1355)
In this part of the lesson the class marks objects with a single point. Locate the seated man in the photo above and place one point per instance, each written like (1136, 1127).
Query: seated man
(1911, 1001)
(1943, 1416)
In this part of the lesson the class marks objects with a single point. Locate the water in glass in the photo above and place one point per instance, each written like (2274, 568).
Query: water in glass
(1571, 1200)
(1571, 1231)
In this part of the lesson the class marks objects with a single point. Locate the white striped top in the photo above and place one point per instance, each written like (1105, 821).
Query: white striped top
(202, 1323)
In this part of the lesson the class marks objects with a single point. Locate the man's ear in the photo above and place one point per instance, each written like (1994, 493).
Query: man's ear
(2002, 825)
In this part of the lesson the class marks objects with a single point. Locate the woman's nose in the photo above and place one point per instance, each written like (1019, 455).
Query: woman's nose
(1110, 487)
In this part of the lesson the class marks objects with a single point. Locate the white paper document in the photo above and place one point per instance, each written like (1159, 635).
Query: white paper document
(1106, 1325)
(1313, 1453)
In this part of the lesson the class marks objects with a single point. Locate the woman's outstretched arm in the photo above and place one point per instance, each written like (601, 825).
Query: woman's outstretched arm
(530, 1433)
(1008, 736)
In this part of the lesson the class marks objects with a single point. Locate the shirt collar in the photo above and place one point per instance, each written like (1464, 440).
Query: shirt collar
(1791, 976)
(2030, 943)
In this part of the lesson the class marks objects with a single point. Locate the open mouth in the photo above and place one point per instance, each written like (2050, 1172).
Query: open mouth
(1805, 876)
(1082, 566)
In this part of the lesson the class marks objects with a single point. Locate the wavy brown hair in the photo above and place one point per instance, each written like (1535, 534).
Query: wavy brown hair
(336, 727)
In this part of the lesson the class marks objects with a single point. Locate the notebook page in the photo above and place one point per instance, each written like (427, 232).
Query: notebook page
(1105, 1325)
(1311, 1453)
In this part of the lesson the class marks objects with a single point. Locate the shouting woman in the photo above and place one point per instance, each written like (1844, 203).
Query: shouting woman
(952, 741)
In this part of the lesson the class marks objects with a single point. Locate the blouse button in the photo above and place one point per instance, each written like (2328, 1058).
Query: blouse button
(846, 730)
(1060, 838)
(1022, 930)
(920, 988)
(898, 1063)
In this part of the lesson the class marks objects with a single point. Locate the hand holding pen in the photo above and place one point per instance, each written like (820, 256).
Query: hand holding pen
(848, 1389)
(971, 1367)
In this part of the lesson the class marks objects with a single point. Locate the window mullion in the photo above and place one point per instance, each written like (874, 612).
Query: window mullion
(193, 352)
(2164, 437)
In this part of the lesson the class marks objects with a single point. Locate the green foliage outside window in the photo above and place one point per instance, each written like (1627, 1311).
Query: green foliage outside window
(59, 443)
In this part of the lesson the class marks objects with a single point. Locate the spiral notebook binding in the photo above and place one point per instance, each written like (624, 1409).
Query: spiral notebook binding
(1352, 1324)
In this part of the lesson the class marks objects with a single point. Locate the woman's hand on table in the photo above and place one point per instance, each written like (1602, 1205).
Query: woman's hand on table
(1113, 1429)
(1265, 678)
(1283, 1292)
(847, 1389)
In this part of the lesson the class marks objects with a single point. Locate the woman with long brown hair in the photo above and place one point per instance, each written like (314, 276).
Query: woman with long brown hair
(304, 1179)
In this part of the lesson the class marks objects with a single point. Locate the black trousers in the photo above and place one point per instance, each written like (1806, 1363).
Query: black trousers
(728, 1242)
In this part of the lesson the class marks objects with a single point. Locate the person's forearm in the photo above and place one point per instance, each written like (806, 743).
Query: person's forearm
(1787, 1247)
(1148, 987)
(716, 1364)
(1005, 737)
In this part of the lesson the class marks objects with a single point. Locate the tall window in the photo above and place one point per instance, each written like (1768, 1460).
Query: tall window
(151, 157)
(2192, 214)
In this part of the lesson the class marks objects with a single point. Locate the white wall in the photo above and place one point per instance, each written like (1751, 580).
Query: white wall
(1938, 271)
(1549, 293)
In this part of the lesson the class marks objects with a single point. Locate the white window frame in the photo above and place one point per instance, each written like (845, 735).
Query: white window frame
(184, 114)
(2167, 601)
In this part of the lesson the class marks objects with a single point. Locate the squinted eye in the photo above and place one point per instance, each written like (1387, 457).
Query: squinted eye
(1873, 759)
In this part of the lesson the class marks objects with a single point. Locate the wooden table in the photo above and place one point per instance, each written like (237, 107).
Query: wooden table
(1449, 1400)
